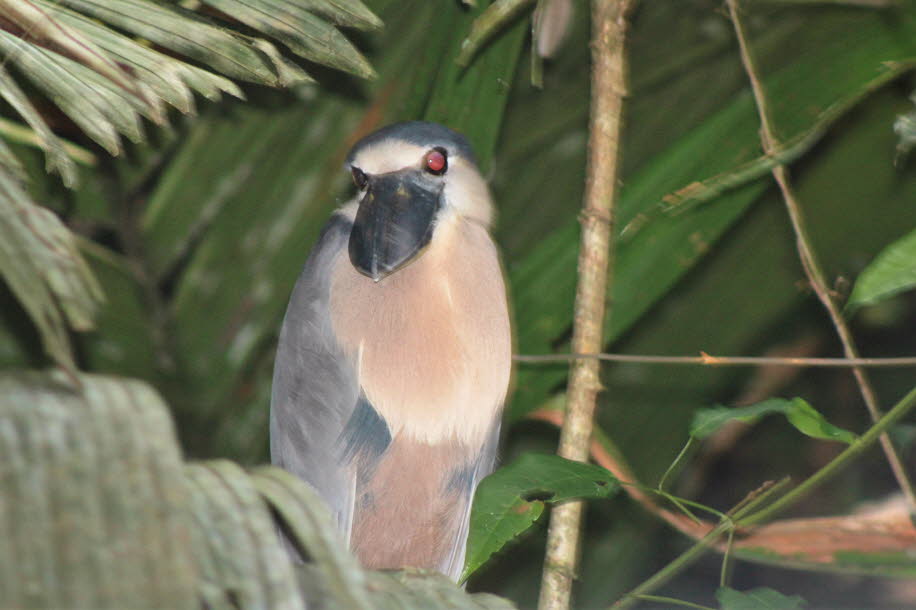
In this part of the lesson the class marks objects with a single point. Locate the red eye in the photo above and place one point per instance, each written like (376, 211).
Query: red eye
(436, 162)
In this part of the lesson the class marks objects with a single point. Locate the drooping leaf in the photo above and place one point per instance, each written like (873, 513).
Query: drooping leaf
(99, 115)
(93, 496)
(56, 156)
(797, 411)
(301, 31)
(39, 24)
(169, 78)
(40, 263)
(508, 501)
(892, 272)
(236, 541)
(185, 33)
(761, 598)
(488, 24)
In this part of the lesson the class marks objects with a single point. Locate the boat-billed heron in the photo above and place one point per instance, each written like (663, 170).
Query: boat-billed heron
(394, 356)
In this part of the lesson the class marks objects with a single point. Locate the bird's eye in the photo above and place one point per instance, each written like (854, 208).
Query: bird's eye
(436, 161)
(360, 179)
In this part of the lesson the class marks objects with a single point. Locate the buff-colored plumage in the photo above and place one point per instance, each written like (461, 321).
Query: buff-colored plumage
(388, 392)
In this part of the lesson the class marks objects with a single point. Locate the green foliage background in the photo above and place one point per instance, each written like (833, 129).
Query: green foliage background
(197, 239)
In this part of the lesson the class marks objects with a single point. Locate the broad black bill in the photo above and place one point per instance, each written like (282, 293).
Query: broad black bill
(394, 222)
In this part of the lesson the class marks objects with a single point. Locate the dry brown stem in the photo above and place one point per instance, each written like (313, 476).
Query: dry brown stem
(808, 257)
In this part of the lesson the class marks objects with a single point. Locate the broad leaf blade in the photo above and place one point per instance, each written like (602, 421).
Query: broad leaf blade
(93, 496)
(797, 411)
(761, 598)
(892, 272)
(508, 501)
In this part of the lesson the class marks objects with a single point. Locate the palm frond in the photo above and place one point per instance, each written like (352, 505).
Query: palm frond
(94, 61)
(40, 263)
(101, 511)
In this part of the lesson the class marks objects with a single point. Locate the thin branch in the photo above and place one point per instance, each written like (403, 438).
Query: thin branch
(607, 93)
(809, 542)
(810, 263)
(709, 360)
(745, 514)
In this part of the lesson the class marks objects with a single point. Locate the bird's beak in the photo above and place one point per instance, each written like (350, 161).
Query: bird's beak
(394, 221)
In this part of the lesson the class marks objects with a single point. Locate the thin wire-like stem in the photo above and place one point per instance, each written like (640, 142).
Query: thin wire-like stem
(609, 21)
(876, 432)
(709, 360)
(706, 543)
(671, 601)
(810, 264)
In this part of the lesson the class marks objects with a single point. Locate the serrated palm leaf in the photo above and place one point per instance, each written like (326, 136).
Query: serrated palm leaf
(41, 265)
(57, 158)
(170, 79)
(304, 33)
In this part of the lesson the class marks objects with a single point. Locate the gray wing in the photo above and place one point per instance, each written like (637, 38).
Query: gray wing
(483, 466)
(315, 388)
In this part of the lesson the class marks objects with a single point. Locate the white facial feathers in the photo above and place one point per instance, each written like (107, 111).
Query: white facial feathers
(466, 192)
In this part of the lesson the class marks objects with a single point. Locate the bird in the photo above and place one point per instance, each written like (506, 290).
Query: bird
(394, 356)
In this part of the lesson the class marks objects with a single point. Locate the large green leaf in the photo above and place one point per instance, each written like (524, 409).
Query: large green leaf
(800, 414)
(508, 501)
(892, 272)
(761, 598)
(93, 493)
(656, 251)
(40, 263)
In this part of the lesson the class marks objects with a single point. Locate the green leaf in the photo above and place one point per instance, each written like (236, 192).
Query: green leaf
(40, 263)
(42, 25)
(96, 113)
(169, 78)
(93, 496)
(311, 526)
(304, 33)
(655, 250)
(761, 598)
(56, 156)
(892, 272)
(496, 17)
(185, 33)
(236, 540)
(508, 501)
(800, 414)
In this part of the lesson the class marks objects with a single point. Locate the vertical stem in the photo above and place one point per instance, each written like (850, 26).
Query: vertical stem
(810, 264)
(608, 90)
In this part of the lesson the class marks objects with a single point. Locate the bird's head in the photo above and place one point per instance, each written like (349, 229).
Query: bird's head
(410, 176)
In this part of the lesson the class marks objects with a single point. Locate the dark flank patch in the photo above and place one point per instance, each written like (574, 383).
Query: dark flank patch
(461, 478)
(364, 438)
(421, 133)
